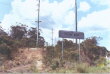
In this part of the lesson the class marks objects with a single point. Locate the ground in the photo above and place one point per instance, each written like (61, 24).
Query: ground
(25, 60)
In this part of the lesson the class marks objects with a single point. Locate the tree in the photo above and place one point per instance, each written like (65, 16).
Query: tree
(2, 32)
(18, 32)
(41, 41)
(32, 34)
(92, 50)
(68, 44)
(69, 49)
(7, 46)
(20, 37)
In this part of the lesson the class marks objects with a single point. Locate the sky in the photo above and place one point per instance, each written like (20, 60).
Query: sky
(93, 17)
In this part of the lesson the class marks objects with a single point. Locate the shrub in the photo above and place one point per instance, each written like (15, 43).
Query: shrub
(55, 64)
(5, 50)
(101, 62)
(82, 68)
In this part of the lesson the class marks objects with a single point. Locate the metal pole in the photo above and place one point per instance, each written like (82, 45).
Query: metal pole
(76, 17)
(37, 44)
(52, 37)
(79, 51)
(52, 43)
(62, 48)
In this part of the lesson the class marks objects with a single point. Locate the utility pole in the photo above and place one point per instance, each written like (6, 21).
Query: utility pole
(37, 42)
(76, 18)
(52, 37)
(52, 44)
(77, 29)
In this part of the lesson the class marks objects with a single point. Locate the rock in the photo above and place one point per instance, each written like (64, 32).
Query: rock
(39, 65)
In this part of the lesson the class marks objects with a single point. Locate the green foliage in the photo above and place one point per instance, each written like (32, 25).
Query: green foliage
(41, 41)
(2, 32)
(68, 44)
(5, 49)
(49, 55)
(26, 38)
(32, 34)
(90, 53)
(7, 46)
(63, 70)
(55, 64)
(94, 69)
(82, 68)
(18, 32)
(34, 69)
(53, 53)
(92, 50)
(101, 62)
(70, 52)
(19, 37)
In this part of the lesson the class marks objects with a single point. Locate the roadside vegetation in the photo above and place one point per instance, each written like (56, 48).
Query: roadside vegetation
(92, 55)
(19, 36)
(82, 68)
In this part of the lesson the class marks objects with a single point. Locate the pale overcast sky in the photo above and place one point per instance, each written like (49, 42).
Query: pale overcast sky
(93, 16)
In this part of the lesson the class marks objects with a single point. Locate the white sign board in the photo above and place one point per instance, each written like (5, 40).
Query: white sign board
(71, 34)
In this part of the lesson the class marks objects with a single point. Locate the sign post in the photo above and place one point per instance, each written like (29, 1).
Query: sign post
(71, 34)
(79, 51)
(62, 48)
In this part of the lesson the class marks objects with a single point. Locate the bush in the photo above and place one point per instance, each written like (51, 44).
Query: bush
(101, 62)
(55, 64)
(5, 50)
(8, 46)
(82, 68)
(49, 54)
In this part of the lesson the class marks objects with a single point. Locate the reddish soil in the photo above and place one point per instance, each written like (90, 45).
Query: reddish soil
(24, 60)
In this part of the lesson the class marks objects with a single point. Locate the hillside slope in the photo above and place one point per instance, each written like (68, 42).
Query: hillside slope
(24, 60)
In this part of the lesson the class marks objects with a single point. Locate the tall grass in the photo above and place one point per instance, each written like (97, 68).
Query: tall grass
(82, 68)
